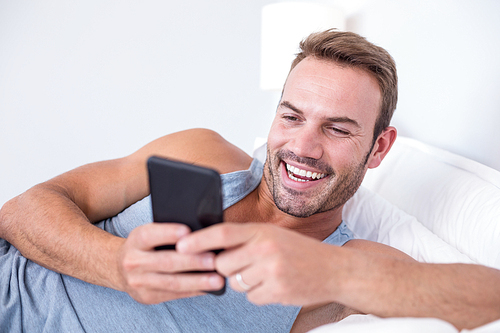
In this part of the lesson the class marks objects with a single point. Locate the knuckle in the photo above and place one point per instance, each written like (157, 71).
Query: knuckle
(268, 247)
(277, 268)
(225, 233)
(135, 283)
(129, 264)
(138, 236)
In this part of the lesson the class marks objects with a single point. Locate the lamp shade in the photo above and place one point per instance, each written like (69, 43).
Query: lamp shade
(284, 25)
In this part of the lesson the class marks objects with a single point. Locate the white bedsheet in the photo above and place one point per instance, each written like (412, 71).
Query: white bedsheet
(373, 324)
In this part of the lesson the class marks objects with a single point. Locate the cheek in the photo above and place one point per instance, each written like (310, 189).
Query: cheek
(346, 155)
(277, 137)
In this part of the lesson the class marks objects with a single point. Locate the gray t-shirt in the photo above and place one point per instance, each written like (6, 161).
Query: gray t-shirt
(35, 299)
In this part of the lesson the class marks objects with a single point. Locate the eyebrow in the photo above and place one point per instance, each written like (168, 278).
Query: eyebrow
(348, 120)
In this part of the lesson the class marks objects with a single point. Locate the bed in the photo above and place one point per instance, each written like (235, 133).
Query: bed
(435, 206)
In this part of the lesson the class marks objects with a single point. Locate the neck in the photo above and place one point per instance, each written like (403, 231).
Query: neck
(318, 226)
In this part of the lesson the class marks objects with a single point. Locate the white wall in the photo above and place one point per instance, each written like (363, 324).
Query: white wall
(92, 80)
(448, 58)
(82, 81)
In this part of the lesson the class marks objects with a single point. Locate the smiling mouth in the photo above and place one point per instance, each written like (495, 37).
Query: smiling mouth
(300, 175)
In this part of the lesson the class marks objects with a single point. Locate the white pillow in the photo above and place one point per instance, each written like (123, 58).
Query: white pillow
(371, 217)
(455, 198)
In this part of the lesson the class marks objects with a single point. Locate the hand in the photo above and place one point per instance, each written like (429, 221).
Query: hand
(152, 277)
(279, 265)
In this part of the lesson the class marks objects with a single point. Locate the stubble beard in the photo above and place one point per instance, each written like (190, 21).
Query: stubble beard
(339, 189)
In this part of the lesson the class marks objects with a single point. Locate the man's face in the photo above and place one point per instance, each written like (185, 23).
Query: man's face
(321, 137)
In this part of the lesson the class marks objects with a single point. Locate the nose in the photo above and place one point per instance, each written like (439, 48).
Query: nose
(306, 142)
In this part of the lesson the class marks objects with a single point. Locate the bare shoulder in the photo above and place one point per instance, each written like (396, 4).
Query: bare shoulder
(377, 248)
(198, 146)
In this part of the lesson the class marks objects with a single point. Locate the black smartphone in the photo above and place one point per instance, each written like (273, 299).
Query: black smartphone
(185, 193)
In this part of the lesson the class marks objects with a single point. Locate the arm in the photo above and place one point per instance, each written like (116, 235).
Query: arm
(51, 223)
(285, 267)
(465, 295)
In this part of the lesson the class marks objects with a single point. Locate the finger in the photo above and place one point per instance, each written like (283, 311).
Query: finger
(169, 262)
(148, 236)
(246, 281)
(177, 283)
(231, 261)
(154, 288)
(238, 283)
(219, 236)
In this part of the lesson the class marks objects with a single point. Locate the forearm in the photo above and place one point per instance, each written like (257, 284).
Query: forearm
(49, 229)
(465, 295)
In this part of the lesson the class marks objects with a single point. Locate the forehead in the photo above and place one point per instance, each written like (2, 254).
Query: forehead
(326, 89)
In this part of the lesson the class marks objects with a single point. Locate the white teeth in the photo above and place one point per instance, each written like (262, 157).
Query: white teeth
(303, 173)
(296, 179)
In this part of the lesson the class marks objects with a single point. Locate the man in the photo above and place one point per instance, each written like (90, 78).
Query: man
(331, 125)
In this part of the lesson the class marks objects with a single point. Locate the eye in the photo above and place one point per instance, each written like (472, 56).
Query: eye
(290, 118)
(339, 131)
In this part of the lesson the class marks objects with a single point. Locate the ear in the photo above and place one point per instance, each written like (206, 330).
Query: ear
(382, 146)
